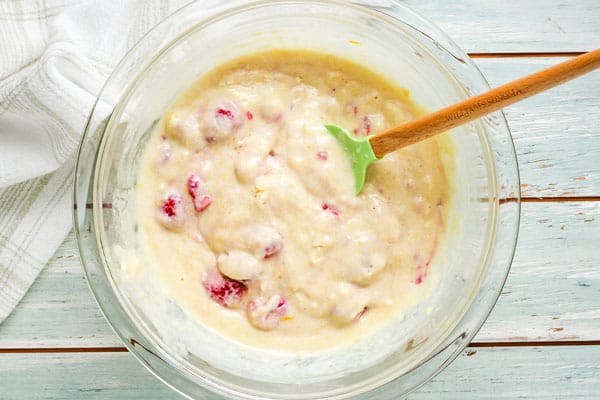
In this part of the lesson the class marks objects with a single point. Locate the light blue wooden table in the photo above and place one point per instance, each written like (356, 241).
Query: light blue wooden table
(542, 341)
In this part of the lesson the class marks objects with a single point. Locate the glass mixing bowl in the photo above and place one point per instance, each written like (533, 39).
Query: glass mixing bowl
(389, 39)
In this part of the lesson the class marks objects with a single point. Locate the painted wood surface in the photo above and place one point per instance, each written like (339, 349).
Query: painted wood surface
(553, 289)
(556, 133)
(482, 104)
(516, 26)
(519, 372)
(552, 292)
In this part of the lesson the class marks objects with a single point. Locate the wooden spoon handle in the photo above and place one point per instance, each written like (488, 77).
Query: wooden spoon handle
(485, 103)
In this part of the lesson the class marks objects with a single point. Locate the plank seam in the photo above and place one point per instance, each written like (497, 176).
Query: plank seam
(559, 199)
(527, 55)
(524, 199)
(546, 343)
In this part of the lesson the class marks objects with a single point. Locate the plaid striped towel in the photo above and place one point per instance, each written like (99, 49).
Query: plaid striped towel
(54, 57)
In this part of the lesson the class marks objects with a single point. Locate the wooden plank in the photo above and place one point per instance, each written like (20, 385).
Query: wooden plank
(564, 372)
(571, 372)
(516, 26)
(553, 289)
(556, 133)
(77, 376)
(58, 310)
(551, 294)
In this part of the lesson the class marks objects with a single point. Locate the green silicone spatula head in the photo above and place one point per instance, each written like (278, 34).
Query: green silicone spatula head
(364, 151)
(359, 150)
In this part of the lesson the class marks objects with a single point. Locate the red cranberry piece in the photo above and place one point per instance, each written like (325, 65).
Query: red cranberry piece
(197, 189)
(220, 120)
(322, 155)
(272, 249)
(263, 241)
(266, 315)
(203, 203)
(227, 292)
(223, 112)
(170, 205)
(249, 115)
(171, 213)
(332, 209)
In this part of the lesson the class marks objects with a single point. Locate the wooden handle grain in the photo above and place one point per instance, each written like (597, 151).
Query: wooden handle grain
(485, 103)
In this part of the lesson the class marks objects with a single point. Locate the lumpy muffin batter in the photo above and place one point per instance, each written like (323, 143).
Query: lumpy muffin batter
(247, 210)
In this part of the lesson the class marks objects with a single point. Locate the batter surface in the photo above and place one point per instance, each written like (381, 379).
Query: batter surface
(247, 211)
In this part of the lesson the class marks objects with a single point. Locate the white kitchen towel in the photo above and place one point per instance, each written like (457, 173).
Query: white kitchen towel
(55, 56)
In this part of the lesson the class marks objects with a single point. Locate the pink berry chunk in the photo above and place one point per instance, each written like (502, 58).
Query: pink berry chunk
(420, 278)
(249, 115)
(227, 292)
(331, 208)
(170, 205)
(263, 241)
(223, 112)
(200, 196)
(171, 213)
(220, 120)
(266, 315)
(322, 155)
(272, 248)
